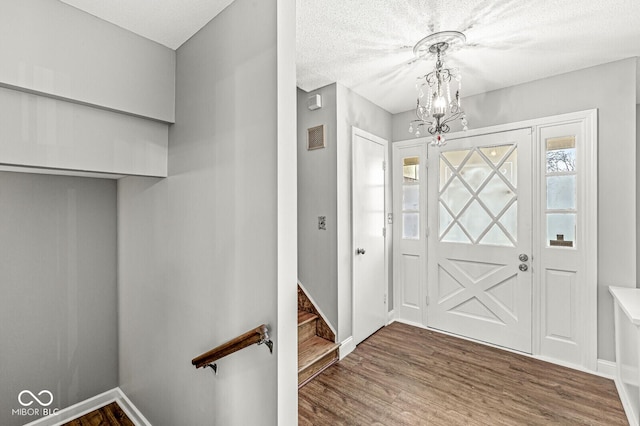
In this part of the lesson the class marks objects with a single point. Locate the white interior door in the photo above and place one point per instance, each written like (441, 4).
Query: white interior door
(369, 271)
(409, 244)
(479, 283)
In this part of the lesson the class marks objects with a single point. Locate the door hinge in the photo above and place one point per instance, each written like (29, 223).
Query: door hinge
(384, 165)
(427, 300)
(385, 299)
(384, 232)
(427, 232)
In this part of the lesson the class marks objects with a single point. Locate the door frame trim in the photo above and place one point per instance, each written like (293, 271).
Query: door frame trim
(355, 131)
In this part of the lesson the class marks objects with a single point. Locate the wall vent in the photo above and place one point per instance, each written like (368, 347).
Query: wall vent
(315, 137)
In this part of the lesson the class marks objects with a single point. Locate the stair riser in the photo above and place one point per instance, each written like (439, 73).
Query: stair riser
(317, 367)
(306, 331)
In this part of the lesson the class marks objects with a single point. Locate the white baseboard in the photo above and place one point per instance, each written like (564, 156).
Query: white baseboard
(391, 316)
(347, 346)
(607, 368)
(88, 405)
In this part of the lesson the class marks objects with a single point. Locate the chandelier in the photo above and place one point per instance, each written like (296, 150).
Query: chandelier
(435, 107)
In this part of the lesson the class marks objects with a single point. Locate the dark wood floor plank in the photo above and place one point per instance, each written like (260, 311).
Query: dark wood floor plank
(109, 415)
(405, 375)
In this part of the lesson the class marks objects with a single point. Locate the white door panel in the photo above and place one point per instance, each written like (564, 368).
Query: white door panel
(369, 272)
(480, 204)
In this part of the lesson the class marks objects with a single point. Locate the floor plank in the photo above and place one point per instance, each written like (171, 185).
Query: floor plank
(405, 375)
(109, 415)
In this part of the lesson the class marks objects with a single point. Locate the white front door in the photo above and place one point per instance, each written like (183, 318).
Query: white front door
(480, 217)
(369, 272)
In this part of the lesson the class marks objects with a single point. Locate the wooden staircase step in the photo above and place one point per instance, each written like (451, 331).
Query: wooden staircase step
(314, 356)
(305, 317)
(307, 326)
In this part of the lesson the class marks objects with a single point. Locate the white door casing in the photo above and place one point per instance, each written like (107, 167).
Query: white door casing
(409, 240)
(369, 229)
(480, 221)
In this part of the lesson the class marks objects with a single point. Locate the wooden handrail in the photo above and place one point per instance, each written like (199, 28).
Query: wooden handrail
(258, 335)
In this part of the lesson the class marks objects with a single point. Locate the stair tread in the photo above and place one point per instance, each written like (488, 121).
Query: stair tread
(304, 317)
(312, 350)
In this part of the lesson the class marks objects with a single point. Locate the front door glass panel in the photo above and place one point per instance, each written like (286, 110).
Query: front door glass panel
(478, 196)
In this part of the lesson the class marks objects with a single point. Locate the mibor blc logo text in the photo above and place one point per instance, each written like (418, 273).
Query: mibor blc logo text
(34, 404)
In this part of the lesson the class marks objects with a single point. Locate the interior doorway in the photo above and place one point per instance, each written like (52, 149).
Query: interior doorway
(369, 234)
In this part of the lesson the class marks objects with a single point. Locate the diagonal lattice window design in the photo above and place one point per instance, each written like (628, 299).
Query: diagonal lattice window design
(478, 202)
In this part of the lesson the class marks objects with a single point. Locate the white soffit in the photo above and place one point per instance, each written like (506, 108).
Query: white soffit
(168, 22)
(366, 45)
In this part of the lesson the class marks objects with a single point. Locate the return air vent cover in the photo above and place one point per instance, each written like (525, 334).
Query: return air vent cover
(315, 137)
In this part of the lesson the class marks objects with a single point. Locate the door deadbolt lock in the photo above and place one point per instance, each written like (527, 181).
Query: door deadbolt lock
(523, 257)
(360, 251)
(523, 267)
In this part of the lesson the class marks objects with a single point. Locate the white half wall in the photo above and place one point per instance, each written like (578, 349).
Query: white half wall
(37, 131)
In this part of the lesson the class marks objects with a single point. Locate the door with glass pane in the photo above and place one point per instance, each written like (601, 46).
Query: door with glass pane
(479, 279)
(410, 265)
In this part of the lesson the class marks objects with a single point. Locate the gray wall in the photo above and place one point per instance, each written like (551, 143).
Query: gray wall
(611, 89)
(317, 183)
(324, 189)
(51, 47)
(198, 250)
(58, 310)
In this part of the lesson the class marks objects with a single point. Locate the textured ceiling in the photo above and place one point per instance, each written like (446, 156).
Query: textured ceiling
(366, 45)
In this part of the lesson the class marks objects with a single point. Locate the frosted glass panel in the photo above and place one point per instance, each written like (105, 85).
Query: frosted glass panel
(475, 220)
(445, 219)
(561, 229)
(561, 154)
(479, 188)
(410, 197)
(495, 153)
(456, 235)
(496, 195)
(455, 196)
(411, 226)
(496, 237)
(510, 221)
(475, 171)
(561, 192)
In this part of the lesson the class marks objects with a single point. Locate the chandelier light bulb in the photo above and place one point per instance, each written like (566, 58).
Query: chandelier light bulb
(439, 107)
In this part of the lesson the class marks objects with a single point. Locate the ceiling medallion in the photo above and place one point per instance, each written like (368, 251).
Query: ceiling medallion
(435, 108)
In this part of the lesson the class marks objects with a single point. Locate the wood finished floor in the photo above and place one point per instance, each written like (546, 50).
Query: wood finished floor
(405, 375)
(109, 415)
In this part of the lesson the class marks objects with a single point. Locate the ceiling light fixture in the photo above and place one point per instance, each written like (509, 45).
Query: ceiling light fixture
(435, 108)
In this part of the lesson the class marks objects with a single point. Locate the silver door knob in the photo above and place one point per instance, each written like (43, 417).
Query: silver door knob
(523, 267)
(360, 251)
(523, 257)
